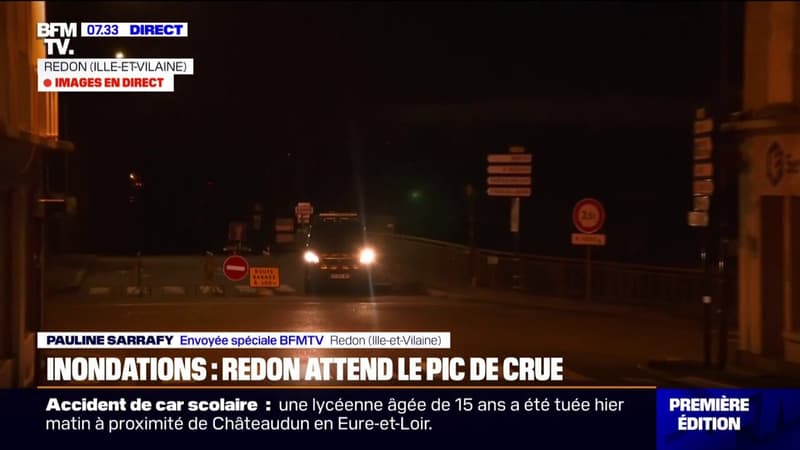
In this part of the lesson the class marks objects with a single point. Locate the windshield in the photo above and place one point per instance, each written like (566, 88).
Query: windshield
(337, 236)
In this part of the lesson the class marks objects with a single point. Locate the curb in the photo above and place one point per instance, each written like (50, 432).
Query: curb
(568, 305)
(72, 287)
(86, 263)
(186, 291)
(535, 303)
(696, 374)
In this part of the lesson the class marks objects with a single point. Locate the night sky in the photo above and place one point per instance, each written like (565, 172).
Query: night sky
(301, 101)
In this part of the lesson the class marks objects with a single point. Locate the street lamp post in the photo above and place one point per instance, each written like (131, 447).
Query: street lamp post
(724, 177)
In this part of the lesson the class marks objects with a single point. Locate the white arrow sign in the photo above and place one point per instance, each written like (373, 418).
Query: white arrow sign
(703, 147)
(698, 219)
(510, 158)
(522, 170)
(703, 170)
(701, 203)
(703, 126)
(509, 192)
(509, 181)
(703, 187)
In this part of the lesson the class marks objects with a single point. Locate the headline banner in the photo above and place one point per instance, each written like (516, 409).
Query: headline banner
(618, 418)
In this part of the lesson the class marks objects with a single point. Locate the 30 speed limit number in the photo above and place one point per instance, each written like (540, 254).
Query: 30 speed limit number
(588, 216)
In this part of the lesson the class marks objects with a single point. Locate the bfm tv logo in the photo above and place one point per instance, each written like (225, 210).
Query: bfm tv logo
(780, 163)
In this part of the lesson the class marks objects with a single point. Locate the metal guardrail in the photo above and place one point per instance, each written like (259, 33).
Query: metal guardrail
(417, 260)
(442, 262)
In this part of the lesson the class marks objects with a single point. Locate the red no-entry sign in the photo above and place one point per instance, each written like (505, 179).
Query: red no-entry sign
(235, 268)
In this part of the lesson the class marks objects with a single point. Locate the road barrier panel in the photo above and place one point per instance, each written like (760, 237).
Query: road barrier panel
(99, 290)
(211, 290)
(173, 290)
(138, 291)
(245, 290)
(285, 289)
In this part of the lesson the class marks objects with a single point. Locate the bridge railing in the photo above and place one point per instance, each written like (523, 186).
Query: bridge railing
(443, 263)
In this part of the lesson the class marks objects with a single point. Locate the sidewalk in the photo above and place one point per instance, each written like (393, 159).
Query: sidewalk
(694, 373)
(65, 273)
(522, 299)
(685, 373)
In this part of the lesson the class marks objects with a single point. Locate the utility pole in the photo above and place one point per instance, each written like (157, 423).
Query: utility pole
(515, 231)
(724, 176)
(473, 252)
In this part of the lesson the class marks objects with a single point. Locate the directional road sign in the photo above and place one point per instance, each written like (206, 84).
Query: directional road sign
(510, 170)
(505, 158)
(509, 191)
(509, 181)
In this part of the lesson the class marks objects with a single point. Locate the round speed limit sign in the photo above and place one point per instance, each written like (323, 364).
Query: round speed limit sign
(588, 215)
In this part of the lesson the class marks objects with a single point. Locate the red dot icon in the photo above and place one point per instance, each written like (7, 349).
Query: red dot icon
(47, 82)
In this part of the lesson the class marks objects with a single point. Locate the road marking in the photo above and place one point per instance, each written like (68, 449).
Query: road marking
(705, 383)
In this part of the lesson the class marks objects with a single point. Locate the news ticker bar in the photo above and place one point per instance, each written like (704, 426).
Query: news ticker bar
(618, 418)
(240, 340)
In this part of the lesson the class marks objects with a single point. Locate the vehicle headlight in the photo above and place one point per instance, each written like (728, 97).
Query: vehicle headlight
(310, 257)
(367, 256)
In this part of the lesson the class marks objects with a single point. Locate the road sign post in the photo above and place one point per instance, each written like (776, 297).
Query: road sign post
(510, 176)
(303, 212)
(588, 216)
(699, 216)
(209, 286)
(469, 190)
(517, 278)
(588, 273)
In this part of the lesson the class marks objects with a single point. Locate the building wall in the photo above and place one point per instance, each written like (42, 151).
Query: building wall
(22, 108)
(769, 189)
(28, 127)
